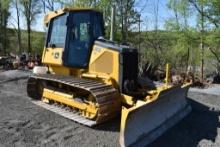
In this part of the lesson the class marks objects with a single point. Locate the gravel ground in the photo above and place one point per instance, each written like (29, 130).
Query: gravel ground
(213, 90)
(12, 75)
(25, 124)
(200, 128)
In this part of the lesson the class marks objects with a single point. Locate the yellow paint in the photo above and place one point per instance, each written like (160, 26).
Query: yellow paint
(125, 111)
(186, 84)
(52, 56)
(124, 117)
(59, 70)
(105, 63)
(126, 99)
(68, 100)
(167, 74)
(53, 14)
(96, 76)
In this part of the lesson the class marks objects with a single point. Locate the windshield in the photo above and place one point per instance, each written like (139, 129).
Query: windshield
(58, 29)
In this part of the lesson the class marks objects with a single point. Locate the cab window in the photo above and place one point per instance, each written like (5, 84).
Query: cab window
(84, 31)
(58, 29)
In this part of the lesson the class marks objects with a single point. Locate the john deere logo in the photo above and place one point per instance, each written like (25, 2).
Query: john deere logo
(56, 55)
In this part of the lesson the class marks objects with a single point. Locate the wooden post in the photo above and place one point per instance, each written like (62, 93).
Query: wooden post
(202, 43)
(112, 33)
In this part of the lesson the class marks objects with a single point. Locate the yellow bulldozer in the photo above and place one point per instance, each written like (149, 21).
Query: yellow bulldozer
(91, 80)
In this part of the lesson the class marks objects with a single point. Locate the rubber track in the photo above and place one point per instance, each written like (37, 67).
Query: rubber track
(106, 96)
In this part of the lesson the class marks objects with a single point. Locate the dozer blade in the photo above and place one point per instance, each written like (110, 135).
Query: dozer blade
(141, 125)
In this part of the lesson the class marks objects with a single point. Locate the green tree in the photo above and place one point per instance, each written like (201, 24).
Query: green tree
(184, 43)
(210, 24)
(16, 23)
(213, 43)
(31, 8)
(4, 15)
(126, 15)
(210, 10)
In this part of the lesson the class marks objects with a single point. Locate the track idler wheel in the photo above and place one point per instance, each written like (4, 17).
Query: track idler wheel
(34, 88)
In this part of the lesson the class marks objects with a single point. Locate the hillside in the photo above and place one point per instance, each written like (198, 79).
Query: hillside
(12, 43)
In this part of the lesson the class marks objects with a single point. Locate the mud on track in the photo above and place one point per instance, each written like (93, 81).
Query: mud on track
(25, 124)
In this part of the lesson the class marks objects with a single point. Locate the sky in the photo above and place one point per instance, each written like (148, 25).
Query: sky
(145, 7)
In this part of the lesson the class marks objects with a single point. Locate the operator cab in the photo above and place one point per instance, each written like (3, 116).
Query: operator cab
(75, 32)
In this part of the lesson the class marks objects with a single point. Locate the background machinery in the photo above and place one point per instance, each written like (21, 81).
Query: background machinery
(90, 80)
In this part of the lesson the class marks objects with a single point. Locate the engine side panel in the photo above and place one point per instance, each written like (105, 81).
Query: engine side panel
(104, 62)
(115, 61)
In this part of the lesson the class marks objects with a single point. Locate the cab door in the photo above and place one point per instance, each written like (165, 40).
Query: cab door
(79, 40)
(56, 39)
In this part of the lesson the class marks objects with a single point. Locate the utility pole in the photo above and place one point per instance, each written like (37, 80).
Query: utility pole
(202, 42)
(139, 32)
(139, 38)
(112, 33)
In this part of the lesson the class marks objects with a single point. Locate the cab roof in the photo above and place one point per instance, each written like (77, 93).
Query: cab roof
(53, 14)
